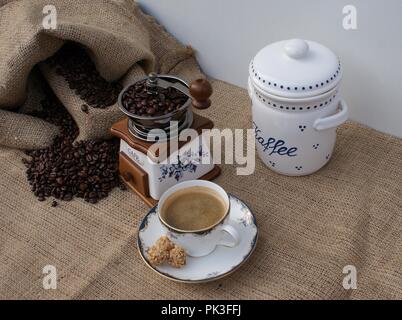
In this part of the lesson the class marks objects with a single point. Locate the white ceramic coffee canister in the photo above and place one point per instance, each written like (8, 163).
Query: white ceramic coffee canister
(296, 107)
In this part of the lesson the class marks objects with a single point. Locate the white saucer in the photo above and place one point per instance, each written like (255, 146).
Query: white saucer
(220, 263)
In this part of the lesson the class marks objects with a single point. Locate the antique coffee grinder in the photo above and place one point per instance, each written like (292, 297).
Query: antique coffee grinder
(148, 163)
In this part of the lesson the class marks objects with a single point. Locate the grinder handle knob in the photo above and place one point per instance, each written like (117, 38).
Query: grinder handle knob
(201, 91)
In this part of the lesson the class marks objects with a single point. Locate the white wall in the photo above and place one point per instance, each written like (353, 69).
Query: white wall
(228, 33)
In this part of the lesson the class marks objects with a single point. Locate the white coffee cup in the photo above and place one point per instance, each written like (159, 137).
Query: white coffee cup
(200, 243)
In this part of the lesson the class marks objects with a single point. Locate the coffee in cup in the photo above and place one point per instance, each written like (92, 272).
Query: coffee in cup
(193, 209)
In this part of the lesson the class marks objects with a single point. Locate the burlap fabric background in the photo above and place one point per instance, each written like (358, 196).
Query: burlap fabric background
(123, 43)
(348, 213)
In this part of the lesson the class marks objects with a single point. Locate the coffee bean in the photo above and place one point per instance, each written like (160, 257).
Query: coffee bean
(83, 186)
(84, 108)
(122, 186)
(151, 111)
(68, 197)
(54, 203)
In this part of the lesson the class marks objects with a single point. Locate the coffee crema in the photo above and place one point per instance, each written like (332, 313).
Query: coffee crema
(193, 208)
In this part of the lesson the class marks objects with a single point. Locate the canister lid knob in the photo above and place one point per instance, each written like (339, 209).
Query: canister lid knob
(296, 48)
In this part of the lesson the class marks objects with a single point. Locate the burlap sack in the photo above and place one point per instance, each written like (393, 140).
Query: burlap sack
(23, 130)
(118, 36)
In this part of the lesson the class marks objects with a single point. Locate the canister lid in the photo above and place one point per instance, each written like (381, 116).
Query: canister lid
(295, 69)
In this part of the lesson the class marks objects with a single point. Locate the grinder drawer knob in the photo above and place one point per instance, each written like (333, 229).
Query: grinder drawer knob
(128, 176)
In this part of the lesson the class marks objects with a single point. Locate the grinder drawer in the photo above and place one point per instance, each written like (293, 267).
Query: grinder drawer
(133, 175)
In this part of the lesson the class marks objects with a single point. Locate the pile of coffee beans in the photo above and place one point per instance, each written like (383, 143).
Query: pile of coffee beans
(137, 100)
(68, 169)
(73, 63)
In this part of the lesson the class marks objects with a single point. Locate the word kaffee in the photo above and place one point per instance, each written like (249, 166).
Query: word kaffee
(273, 145)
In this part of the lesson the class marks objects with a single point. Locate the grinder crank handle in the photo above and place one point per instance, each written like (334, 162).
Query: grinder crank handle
(201, 91)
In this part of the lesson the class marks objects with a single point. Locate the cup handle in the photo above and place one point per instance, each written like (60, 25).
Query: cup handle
(233, 233)
(333, 121)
